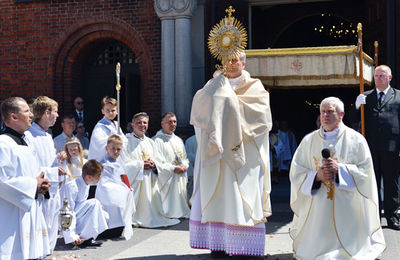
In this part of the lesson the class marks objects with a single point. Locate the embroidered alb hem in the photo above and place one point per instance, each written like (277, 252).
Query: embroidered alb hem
(233, 240)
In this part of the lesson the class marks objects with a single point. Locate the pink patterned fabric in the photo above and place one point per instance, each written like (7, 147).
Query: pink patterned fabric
(234, 240)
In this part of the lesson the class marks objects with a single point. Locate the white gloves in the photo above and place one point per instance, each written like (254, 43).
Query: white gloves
(361, 99)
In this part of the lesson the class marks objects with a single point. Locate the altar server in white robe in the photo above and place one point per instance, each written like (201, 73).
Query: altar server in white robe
(230, 202)
(334, 200)
(45, 113)
(89, 218)
(172, 166)
(141, 167)
(75, 161)
(23, 232)
(104, 128)
(112, 192)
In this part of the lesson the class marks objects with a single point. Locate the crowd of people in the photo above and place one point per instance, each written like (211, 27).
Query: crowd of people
(114, 181)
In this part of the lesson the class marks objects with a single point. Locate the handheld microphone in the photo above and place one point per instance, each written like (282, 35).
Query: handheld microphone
(326, 153)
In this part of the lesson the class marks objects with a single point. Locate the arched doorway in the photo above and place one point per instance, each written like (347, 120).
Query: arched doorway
(99, 80)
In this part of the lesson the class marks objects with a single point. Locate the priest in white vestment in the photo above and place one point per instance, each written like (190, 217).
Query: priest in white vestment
(230, 202)
(89, 217)
(104, 128)
(45, 113)
(140, 167)
(23, 233)
(172, 166)
(333, 193)
(112, 192)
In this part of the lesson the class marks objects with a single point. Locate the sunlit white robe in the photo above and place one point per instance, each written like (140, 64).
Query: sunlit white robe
(347, 227)
(115, 196)
(149, 210)
(230, 200)
(43, 146)
(89, 219)
(170, 153)
(23, 232)
(98, 141)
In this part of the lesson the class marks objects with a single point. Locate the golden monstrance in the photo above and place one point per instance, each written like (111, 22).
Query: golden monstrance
(226, 39)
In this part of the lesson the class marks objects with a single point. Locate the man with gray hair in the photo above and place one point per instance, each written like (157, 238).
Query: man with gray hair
(333, 192)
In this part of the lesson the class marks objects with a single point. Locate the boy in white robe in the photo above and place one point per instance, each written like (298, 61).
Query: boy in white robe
(23, 233)
(113, 193)
(89, 218)
(104, 128)
(333, 193)
(45, 113)
(172, 167)
(140, 168)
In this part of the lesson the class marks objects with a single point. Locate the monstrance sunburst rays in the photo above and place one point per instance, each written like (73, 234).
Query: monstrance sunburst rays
(227, 38)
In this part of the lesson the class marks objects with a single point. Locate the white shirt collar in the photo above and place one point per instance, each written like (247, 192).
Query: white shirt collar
(329, 135)
(235, 81)
(384, 92)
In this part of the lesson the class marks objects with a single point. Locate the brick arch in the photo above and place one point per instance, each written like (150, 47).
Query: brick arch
(70, 46)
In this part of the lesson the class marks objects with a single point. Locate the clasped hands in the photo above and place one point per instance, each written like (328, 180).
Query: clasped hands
(43, 184)
(179, 169)
(327, 171)
(149, 164)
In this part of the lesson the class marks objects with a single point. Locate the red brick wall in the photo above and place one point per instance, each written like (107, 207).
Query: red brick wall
(44, 43)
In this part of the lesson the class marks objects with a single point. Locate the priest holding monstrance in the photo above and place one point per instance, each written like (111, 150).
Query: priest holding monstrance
(232, 119)
(333, 192)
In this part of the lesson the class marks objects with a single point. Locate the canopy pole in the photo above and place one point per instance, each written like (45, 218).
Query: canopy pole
(376, 45)
(361, 63)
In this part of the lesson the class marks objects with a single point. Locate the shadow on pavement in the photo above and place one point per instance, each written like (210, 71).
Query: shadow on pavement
(207, 256)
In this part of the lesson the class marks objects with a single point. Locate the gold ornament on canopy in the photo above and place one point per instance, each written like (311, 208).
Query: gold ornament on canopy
(226, 39)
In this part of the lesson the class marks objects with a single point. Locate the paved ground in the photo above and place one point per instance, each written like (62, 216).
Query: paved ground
(173, 243)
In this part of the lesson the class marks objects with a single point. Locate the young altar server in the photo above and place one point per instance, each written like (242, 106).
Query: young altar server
(45, 113)
(333, 193)
(172, 167)
(104, 128)
(23, 232)
(75, 161)
(113, 193)
(141, 167)
(89, 219)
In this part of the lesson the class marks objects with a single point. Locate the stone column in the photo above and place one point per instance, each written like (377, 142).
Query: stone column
(179, 67)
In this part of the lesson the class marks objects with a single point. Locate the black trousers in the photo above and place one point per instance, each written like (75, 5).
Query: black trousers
(387, 166)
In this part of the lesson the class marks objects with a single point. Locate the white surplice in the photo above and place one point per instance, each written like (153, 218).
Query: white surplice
(347, 226)
(23, 233)
(43, 146)
(230, 200)
(170, 153)
(98, 141)
(149, 210)
(89, 219)
(115, 196)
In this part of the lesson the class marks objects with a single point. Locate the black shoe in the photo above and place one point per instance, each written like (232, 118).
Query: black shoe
(90, 242)
(393, 223)
(218, 254)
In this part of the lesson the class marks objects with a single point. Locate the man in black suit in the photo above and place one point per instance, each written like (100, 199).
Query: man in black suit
(382, 131)
(78, 113)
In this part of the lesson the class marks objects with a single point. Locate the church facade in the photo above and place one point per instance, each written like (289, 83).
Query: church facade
(65, 49)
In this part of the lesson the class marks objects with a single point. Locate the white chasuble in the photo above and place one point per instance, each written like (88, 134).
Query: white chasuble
(89, 218)
(149, 211)
(43, 146)
(23, 233)
(116, 196)
(98, 141)
(170, 153)
(348, 225)
(230, 200)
